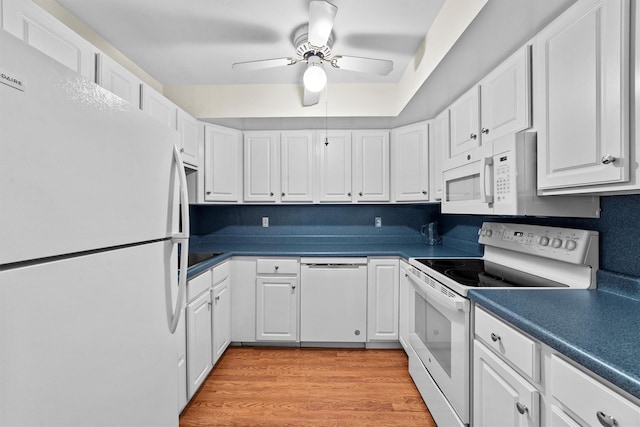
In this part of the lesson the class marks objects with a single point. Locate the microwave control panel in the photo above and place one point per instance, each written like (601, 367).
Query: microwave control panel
(503, 181)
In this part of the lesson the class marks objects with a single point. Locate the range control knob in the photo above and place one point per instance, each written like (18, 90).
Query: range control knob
(543, 241)
(488, 233)
(570, 245)
(556, 243)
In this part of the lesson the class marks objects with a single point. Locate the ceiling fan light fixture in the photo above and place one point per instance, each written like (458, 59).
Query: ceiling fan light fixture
(314, 78)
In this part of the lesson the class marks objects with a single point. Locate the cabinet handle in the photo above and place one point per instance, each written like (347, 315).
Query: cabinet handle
(485, 131)
(473, 136)
(494, 337)
(521, 408)
(608, 158)
(606, 420)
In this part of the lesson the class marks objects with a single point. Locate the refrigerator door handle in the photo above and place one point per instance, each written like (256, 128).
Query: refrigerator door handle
(181, 238)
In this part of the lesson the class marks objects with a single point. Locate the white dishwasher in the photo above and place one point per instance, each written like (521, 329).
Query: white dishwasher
(333, 300)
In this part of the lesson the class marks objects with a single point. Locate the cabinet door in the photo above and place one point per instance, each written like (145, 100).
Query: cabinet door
(506, 97)
(181, 350)
(383, 294)
(335, 166)
(118, 80)
(297, 166)
(191, 132)
(465, 123)
(221, 319)
(371, 166)
(581, 109)
(199, 361)
(277, 308)
(39, 29)
(222, 164)
(410, 163)
(261, 166)
(501, 397)
(438, 143)
(159, 107)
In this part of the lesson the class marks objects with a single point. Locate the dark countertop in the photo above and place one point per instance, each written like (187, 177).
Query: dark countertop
(596, 328)
(310, 249)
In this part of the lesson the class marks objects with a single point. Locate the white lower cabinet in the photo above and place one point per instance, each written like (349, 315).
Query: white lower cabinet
(221, 315)
(383, 292)
(505, 393)
(277, 300)
(181, 351)
(501, 396)
(199, 361)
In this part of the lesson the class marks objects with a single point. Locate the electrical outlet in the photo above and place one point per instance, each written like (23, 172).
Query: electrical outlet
(265, 221)
(378, 221)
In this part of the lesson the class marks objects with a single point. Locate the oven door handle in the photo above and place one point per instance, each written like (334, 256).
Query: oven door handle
(455, 303)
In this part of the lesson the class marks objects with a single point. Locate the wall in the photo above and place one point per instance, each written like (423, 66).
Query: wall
(619, 225)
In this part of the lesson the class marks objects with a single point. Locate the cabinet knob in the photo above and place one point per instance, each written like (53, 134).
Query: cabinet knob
(182, 150)
(360, 193)
(293, 287)
(473, 136)
(349, 194)
(485, 131)
(606, 420)
(277, 267)
(217, 298)
(521, 408)
(208, 192)
(282, 194)
(608, 158)
(424, 192)
(494, 337)
(271, 194)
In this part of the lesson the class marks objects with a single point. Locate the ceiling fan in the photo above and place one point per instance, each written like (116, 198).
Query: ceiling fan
(313, 45)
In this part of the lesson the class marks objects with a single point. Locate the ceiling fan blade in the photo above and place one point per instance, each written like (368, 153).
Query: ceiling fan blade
(363, 65)
(264, 63)
(321, 16)
(310, 98)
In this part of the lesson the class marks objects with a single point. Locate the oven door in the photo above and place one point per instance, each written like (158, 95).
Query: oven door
(439, 334)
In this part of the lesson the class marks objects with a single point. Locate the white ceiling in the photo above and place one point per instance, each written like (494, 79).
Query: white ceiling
(197, 41)
(188, 47)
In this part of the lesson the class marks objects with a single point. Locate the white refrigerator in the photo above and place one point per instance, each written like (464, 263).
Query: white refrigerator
(93, 213)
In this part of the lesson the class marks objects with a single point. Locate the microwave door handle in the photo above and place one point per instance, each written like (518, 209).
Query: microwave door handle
(486, 178)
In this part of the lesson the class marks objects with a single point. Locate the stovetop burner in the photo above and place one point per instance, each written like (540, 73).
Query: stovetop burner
(478, 273)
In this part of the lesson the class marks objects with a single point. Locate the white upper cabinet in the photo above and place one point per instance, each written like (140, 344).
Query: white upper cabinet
(222, 154)
(159, 107)
(261, 166)
(371, 166)
(505, 96)
(39, 29)
(465, 123)
(581, 71)
(335, 166)
(297, 160)
(191, 132)
(410, 163)
(438, 142)
(118, 80)
(499, 105)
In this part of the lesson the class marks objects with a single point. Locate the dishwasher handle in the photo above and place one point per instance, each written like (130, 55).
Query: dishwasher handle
(336, 266)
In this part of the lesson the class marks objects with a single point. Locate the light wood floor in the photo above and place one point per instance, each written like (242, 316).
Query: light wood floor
(308, 387)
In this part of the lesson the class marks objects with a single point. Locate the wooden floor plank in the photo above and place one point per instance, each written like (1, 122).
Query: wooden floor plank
(257, 386)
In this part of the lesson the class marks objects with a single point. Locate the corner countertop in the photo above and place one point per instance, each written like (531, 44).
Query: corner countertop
(311, 248)
(596, 328)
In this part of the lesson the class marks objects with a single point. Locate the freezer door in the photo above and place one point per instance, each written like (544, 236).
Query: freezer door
(82, 169)
(86, 341)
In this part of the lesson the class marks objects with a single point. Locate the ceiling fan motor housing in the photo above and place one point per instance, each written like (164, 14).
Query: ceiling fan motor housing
(304, 49)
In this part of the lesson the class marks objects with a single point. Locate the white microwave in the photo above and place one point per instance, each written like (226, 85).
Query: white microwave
(499, 178)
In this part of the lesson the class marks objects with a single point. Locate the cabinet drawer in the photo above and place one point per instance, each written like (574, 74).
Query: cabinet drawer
(198, 285)
(522, 352)
(277, 266)
(586, 397)
(220, 272)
